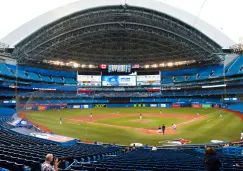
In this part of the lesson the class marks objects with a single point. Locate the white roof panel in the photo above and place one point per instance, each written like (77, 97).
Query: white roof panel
(51, 16)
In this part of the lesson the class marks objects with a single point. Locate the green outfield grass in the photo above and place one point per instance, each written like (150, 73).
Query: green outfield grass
(133, 121)
(210, 128)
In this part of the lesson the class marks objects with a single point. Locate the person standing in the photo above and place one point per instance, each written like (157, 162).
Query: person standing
(163, 129)
(91, 115)
(117, 111)
(221, 115)
(241, 136)
(60, 121)
(174, 127)
(160, 111)
(141, 116)
(211, 160)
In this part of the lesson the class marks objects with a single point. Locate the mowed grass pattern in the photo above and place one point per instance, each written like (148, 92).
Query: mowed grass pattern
(212, 127)
(135, 122)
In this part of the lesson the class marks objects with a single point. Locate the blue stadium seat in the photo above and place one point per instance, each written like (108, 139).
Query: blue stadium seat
(33, 76)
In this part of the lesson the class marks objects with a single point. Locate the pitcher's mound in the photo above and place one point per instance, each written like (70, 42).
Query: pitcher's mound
(141, 120)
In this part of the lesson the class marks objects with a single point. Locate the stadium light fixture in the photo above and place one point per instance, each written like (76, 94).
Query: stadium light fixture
(170, 64)
(83, 66)
(162, 64)
(146, 66)
(75, 65)
(154, 65)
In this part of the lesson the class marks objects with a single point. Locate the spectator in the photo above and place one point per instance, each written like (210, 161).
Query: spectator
(211, 160)
(134, 147)
(95, 143)
(154, 148)
(46, 166)
(146, 146)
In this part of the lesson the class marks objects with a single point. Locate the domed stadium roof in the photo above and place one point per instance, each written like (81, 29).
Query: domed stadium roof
(114, 32)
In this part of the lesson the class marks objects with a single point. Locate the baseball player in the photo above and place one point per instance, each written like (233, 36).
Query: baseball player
(174, 127)
(221, 115)
(163, 129)
(141, 116)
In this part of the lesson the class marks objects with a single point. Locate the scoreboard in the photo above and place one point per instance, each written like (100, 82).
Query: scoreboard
(119, 68)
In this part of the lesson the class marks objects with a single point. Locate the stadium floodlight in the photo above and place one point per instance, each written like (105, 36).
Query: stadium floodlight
(170, 64)
(76, 65)
(154, 65)
(146, 66)
(162, 64)
(83, 66)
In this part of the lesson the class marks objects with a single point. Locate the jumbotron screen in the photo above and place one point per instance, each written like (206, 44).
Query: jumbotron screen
(119, 68)
(116, 81)
(148, 80)
(89, 80)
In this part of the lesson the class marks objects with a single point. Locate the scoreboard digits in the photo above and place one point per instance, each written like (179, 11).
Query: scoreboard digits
(119, 68)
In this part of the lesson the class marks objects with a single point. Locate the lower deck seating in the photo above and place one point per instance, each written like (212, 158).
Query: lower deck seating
(160, 160)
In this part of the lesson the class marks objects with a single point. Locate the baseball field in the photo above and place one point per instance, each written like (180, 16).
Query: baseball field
(124, 126)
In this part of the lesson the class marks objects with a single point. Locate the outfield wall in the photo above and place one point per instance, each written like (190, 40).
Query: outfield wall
(43, 107)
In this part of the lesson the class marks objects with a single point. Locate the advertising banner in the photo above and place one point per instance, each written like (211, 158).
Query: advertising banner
(206, 105)
(153, 105)
(99, 105)
(162, 105)
(109, 81)
(139, 105)
(216, 106)
(176, 105)
(28, 108)
(9, 101)
(85, 106)
(41, 108)
(153, 80)
(76, 106)
(89, 80)
(52, 104)
(196, 105)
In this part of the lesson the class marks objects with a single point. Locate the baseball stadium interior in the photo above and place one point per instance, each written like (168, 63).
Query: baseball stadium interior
(120, 87)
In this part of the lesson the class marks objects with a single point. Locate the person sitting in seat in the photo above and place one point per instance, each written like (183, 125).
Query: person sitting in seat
(146, 146)
(154, 148)
(46, 166)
